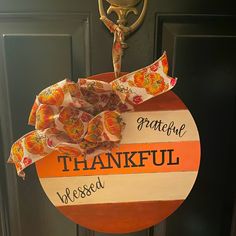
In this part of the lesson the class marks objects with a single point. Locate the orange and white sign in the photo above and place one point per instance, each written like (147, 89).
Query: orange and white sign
(138, 184)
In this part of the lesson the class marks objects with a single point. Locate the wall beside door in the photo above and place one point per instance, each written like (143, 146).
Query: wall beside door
(41, 42)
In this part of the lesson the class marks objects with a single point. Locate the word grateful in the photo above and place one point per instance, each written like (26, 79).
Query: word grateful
(161, 126)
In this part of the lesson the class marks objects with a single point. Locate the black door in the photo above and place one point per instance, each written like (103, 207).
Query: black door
(42, 42)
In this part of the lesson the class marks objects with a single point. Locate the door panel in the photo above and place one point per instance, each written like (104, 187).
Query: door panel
(36, 52)
(49, 63)
(203, 58)
(45, 41)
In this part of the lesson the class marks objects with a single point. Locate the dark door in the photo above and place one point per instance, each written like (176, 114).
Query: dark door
(42, 42)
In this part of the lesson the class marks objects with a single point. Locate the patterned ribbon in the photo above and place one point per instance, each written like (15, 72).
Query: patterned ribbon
(84, 118)
(118, 44)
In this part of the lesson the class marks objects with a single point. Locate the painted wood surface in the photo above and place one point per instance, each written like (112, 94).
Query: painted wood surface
(151, 173)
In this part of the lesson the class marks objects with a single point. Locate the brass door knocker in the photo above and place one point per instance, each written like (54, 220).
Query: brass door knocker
(120, 29)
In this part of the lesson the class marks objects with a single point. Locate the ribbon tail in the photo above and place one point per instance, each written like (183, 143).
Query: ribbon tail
(145, 83)
(27, 150)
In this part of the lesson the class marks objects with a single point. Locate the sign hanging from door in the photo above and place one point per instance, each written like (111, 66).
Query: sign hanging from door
(111, 155)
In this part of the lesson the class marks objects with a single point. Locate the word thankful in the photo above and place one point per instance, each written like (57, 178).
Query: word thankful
(71, 195)
(132, 159)
(161, 126)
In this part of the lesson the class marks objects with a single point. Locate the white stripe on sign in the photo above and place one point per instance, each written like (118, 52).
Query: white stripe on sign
(118, 188)
(159, 126)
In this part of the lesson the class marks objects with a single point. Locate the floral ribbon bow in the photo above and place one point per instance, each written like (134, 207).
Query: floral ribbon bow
(84, 118)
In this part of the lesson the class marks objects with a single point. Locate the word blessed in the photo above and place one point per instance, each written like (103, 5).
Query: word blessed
(71, 195)
(161, 126)
(124, 160)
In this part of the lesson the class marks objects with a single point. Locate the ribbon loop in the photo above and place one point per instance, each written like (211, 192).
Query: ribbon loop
(118, 44)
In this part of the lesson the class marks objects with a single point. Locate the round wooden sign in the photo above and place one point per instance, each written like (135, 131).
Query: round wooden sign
(138, 184)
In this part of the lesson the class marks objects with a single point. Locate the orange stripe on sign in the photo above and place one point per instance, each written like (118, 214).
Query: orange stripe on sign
(127, 159)
(127, 217)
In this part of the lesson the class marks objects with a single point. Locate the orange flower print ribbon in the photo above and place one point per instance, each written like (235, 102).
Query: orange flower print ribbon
(118, 44)
(84, 118)
(143, 84)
